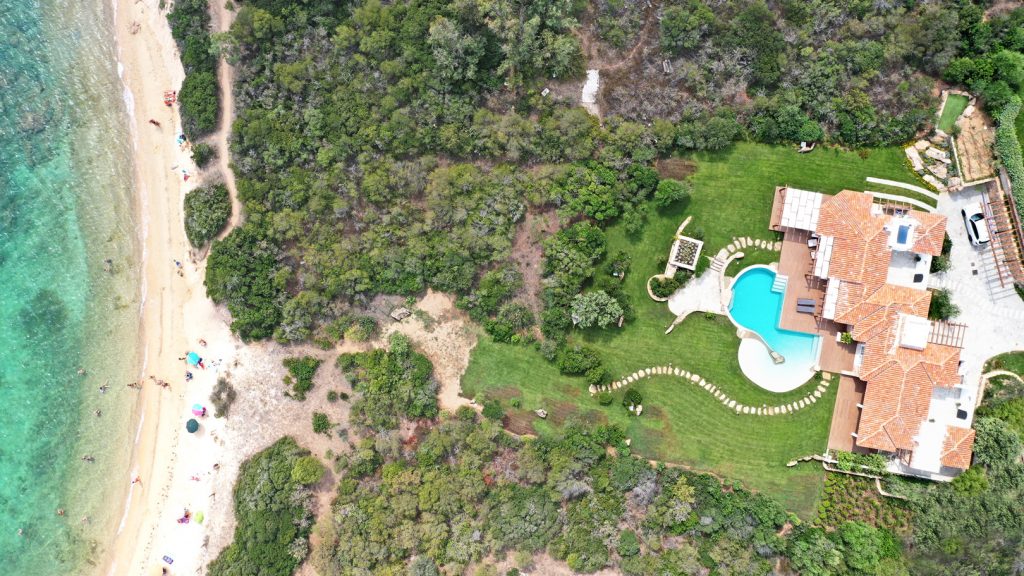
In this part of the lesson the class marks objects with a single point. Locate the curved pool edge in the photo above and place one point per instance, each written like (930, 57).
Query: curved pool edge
(741, 330)
(753, 367)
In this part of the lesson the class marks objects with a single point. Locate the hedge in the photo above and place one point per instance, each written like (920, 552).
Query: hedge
(1008, 150)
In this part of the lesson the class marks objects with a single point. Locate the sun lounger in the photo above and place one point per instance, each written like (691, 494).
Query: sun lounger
(805, 301)
(805, 309)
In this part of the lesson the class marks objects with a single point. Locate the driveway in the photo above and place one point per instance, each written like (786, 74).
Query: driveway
(993, 314)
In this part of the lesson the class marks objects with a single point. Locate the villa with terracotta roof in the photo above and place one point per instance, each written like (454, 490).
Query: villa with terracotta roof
(866, 266)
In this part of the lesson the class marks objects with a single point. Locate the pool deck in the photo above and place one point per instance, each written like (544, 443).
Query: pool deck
(796, 264)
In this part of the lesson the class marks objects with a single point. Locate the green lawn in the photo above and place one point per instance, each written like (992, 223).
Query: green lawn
(732, 197)
(1010, 361)
(955, 105)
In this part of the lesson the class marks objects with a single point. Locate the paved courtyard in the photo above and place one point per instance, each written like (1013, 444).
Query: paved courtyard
(994, 314)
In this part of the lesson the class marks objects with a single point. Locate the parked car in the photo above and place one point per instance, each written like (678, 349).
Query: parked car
(974, 221)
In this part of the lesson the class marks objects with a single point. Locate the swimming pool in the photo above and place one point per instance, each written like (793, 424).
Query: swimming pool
(756, 307)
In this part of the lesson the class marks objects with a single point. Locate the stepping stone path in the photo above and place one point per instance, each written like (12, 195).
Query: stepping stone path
(744, 242)
(691, 378)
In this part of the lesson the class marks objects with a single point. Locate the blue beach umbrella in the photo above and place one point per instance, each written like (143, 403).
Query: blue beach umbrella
(193, 359)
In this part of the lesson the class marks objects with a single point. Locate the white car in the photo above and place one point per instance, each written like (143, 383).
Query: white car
(974, 221)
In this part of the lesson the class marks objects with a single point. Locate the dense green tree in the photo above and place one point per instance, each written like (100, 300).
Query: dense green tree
(595, 308)
(207, 211)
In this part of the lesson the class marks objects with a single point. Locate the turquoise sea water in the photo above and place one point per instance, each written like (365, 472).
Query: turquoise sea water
(65, 208)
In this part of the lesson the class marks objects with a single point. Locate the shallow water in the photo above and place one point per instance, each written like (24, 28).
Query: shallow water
(65, 208)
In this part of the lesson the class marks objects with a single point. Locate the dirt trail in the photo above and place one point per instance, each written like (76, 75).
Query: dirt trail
(222, 19)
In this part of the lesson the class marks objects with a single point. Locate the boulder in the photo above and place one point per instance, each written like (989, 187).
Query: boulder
(541, 412)
(921, 145)
(400, 313)
(940, 171)
(915, 159)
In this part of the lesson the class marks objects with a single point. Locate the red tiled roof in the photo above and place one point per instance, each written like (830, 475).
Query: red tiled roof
(900, 380)
(956, 449)
(929, 236)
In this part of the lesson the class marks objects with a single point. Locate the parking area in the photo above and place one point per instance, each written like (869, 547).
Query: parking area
(992, 310)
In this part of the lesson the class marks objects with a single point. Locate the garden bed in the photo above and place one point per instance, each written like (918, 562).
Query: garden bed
(686, 252)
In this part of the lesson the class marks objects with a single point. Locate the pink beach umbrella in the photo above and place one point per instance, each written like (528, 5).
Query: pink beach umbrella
(197, 409)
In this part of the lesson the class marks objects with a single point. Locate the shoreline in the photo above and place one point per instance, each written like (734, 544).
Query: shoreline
(148, 64)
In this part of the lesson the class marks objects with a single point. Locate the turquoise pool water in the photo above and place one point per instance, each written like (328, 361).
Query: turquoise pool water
(756, 307)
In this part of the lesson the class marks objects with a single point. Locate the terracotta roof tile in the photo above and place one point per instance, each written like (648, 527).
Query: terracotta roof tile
(928, 239)
(900, 380)
(957, 447)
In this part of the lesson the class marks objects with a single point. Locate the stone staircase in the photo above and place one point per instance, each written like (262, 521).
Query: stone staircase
(717, 264)
(780, 283)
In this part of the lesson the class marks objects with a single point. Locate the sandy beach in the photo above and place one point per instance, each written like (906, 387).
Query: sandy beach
(175, 316)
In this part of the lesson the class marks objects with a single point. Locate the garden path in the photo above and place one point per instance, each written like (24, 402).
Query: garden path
(690, 378)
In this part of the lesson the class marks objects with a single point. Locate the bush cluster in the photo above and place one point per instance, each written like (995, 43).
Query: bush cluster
(1009, 152)
(199, 97)
(274, 511)
(207, 211)
(300, 374)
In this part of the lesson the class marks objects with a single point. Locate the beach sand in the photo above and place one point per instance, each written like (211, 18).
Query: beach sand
(176, 314)
(196, 472)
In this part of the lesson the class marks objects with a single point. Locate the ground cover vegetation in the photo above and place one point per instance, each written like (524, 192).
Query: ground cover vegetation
(198, 98)
(391, 384)
(465, 493)
(274, 511)
(377, 149)
(301, 371)
(387, 148)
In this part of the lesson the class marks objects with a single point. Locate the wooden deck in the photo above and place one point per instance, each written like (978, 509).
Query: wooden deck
(846, 415)
(796, 264)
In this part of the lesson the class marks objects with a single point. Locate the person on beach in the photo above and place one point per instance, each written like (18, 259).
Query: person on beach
(81, 371)
(137, 480)
(98, 413)
(202, 342)
(88, 458)
(188, 376)
(104, 387)
(60, 511)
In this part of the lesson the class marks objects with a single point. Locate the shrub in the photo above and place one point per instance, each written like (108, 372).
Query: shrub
(222, 397)
(671, 191)
(273, 513)
(361, 329)
(628, 545)
(597, 376)
(846, 338)
(492, 410)
(942, 307)
(308, 470)
(207, 210)
(664, 287)
(300, 374)
(971, 483)
(202, 153)
(605, 398)
(332, 396)
(577, 360)
(632, 398)
(939, 264)
(1008, 149)
(321, 423)
(199, 100)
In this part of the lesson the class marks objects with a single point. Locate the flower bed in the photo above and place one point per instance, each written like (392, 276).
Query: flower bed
(685, 252)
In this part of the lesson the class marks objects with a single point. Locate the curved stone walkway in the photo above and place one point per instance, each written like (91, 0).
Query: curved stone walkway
(691, 378)
(993, 373)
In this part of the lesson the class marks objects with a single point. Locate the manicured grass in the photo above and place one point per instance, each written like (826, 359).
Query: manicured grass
(1011, 361)
(955, 105)
(732, 197)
